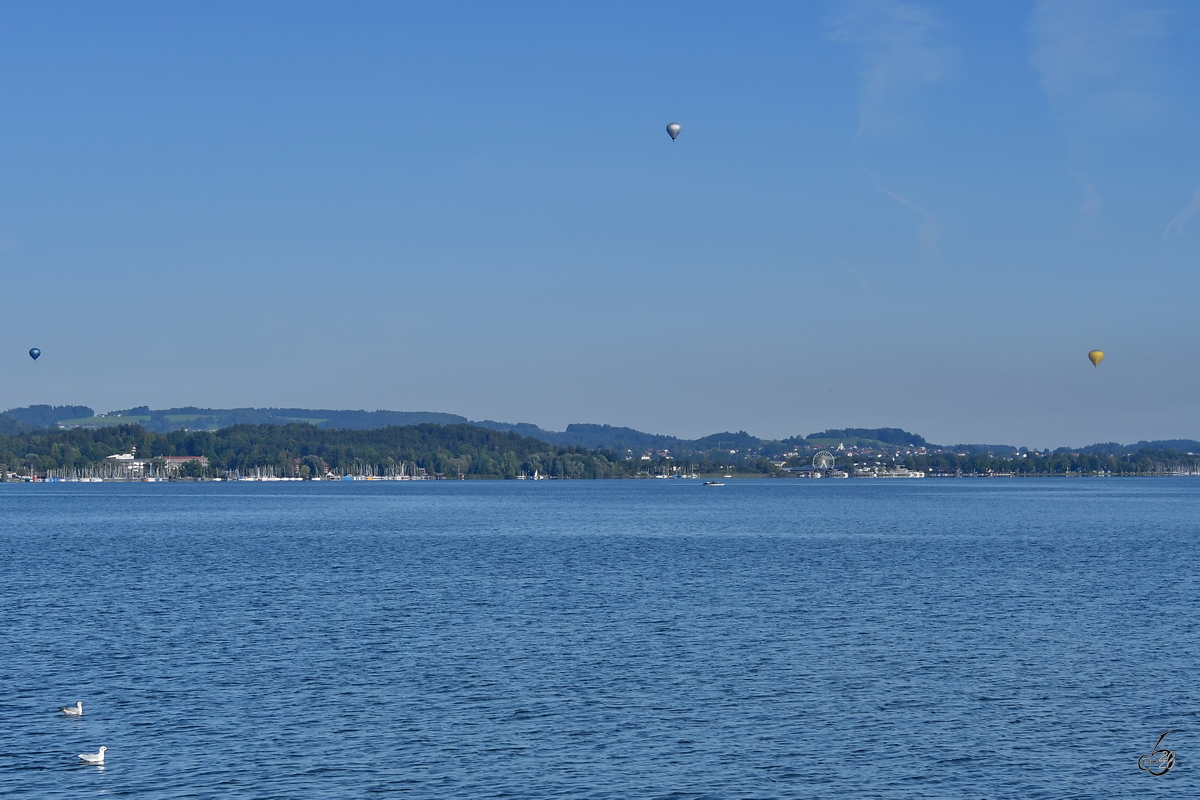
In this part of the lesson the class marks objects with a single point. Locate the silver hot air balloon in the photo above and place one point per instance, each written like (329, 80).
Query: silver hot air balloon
(673, 130)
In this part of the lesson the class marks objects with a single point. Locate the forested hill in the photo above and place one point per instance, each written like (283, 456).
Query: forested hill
(296, 448)
(591, 436)
(303, 450)
(193, 418)
(41, 416)
(893, 436)
(622, 440)
(607, 436)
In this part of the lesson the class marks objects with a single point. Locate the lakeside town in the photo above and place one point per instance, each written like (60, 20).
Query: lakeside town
(128, 467)
(73, 444)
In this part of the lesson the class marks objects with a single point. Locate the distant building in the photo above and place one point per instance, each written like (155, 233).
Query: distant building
(175, 462)
(128, 461)
(137, 466)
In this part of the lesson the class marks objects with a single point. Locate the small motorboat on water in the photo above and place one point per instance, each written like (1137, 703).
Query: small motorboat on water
(713, 483)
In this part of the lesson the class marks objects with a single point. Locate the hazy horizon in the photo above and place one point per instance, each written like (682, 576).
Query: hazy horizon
(878, 214)
(797, 434)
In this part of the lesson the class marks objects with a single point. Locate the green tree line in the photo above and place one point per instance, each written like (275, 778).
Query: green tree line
(305, 450)
(449, 450)
(1143, 462)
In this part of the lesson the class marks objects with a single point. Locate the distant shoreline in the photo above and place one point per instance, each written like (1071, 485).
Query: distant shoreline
(300, 450)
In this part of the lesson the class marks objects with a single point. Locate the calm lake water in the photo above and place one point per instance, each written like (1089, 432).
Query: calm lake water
(608, 639)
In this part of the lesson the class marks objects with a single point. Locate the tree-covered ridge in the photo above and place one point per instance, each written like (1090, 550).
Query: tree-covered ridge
(43, 416)
(364, 439)
(1147, 461)
(892, 436)
(450, 450)
(193, 418)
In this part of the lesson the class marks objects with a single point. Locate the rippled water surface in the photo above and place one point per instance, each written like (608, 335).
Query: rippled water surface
(607, 639)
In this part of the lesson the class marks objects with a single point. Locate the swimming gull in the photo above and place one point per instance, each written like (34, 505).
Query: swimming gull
(94, 758)
(73, 711)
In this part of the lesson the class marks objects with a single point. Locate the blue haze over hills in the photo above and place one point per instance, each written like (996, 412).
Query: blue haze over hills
(591, 436)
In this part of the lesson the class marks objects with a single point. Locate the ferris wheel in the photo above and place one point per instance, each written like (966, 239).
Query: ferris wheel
(823, 460)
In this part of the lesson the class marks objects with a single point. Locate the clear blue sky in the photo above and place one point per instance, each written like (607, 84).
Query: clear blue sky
(919, 215)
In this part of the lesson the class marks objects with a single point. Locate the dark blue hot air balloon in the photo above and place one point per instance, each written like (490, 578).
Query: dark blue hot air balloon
(34, 353)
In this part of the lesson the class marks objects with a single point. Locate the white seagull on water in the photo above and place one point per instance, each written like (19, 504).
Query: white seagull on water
(73, 711)
(94, 758)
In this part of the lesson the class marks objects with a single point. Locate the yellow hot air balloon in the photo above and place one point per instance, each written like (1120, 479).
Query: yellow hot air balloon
(1096, 356)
